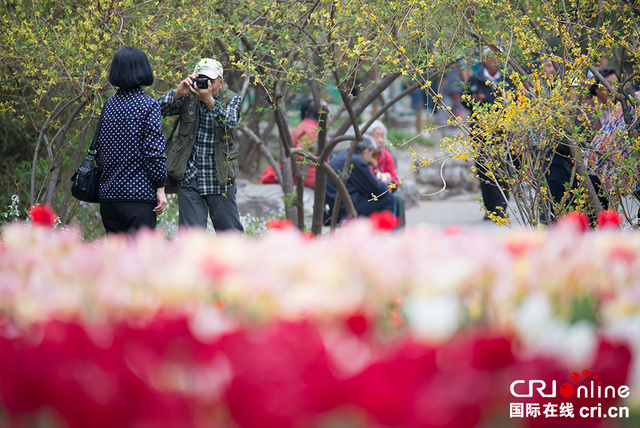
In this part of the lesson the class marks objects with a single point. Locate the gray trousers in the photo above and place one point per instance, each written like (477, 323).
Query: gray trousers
(194, 209)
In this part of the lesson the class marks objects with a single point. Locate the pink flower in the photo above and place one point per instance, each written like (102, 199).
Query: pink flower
(518, 247)
(608, 219)
(396, 318)
(213, 268)
(42, 215)
(453, 230)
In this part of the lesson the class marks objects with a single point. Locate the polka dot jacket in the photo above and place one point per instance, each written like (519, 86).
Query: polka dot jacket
(131, 148)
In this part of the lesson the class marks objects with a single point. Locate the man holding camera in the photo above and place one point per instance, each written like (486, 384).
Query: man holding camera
(202, 154)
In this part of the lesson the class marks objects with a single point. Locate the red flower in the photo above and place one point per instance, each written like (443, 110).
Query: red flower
(280, 224)
(576, 218)
(308, 236)
(608, 219)
(383, 220)
(358, 324)
(42, 215)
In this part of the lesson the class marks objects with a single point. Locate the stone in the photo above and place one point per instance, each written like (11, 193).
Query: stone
(261, 200)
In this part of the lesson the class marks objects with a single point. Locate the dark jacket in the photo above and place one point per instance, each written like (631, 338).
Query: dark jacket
(131, 148)
(185, 132)
(227, 150)
(361, 185)
(479, 84)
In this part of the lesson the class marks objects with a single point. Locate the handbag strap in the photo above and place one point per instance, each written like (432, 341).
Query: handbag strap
(94, 143)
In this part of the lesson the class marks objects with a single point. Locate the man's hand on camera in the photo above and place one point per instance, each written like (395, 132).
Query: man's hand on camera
(209, 94)
(204, 95)
(184, 88)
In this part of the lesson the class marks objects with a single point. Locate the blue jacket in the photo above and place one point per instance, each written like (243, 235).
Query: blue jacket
(131, 148)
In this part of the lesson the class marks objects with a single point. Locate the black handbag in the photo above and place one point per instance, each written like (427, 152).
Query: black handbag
(86, 180)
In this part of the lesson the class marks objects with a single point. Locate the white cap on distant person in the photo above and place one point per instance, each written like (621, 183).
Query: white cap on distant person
(208, 67)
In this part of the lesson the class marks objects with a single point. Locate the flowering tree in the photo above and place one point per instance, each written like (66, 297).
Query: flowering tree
(53, 69)
(55, 59)
(525, 127)
(308, 47)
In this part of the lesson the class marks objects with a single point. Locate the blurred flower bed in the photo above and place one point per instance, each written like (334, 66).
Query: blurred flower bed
(361, 328)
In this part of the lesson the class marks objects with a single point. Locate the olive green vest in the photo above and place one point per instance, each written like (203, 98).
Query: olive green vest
(183, 137)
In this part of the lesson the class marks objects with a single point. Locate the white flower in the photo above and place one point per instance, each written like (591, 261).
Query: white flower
(545, 334)
(433, 319)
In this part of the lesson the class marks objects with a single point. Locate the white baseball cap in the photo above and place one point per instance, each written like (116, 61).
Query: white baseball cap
(208, 67)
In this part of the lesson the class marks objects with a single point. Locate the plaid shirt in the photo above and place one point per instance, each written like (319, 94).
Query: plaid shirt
(202, 162)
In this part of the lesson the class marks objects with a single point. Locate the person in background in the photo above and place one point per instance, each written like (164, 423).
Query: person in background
(303, 136)
(131, 148)
(484, 87)
(559, 162)
(382, 164)
(456, 77)
(549, 70)
(600, 110)
(600, 103)
(361, 184)
(207, 164)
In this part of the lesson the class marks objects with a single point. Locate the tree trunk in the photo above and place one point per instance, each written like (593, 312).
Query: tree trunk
(321, 177)
(285, 154)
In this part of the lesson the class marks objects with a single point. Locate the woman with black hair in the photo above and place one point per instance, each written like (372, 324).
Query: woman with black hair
(131, 148)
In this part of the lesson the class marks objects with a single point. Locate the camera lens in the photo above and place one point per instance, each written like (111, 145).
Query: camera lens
(201, 82)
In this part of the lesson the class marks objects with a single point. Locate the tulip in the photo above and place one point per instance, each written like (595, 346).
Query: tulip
(609, 219)
(42, 215)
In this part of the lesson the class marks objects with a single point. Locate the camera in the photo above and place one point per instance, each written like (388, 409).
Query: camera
(201, 82)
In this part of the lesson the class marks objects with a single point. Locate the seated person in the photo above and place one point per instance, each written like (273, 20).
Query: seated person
(382, 164)
(362, 185)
